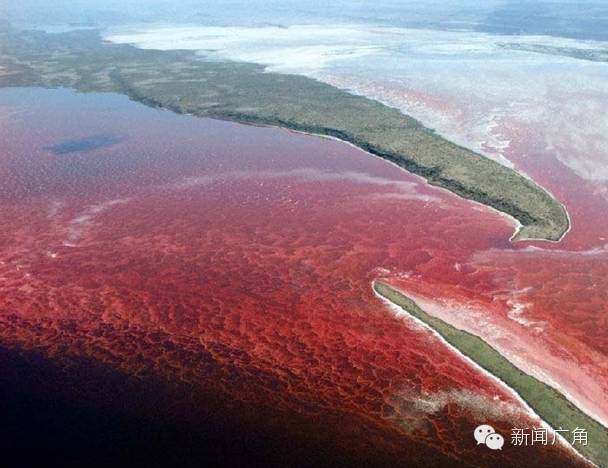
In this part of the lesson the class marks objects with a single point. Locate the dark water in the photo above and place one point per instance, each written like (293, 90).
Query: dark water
(91, 415)
(83, 145)
(205, 299)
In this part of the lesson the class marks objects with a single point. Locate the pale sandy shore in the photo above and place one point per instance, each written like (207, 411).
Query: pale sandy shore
(544, 401)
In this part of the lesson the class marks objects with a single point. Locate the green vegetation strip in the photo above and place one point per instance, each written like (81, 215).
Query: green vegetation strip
(185, 82)
(546, 401)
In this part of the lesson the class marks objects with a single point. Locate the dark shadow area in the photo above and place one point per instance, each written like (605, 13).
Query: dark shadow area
(84, 145)
(89, 416)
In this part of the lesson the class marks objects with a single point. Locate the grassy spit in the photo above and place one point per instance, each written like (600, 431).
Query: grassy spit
(546, 401)
(185, 82)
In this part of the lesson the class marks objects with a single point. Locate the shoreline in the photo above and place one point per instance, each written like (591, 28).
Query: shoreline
(185, 83)
(518, 225)
(403, 314)
(544, 401)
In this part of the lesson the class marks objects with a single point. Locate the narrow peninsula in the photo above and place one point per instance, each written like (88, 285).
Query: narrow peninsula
(546, 401)
(185, 82)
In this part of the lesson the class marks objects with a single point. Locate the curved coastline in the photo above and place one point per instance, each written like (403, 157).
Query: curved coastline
(183, 82)
(515, 237)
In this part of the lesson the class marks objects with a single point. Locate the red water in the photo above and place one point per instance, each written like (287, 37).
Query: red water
(543, 304)
(238, 260)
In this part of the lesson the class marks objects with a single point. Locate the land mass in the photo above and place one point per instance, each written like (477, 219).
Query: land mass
(546, 401)
(593, 55)
(185, 82)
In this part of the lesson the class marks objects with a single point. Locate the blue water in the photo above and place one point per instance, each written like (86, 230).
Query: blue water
(84, 145)
(582, 19)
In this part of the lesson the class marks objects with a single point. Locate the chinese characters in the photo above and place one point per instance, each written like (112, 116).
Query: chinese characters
(541, 436)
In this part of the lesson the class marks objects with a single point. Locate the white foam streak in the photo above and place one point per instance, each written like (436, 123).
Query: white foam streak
(398, 189)
(80, 223)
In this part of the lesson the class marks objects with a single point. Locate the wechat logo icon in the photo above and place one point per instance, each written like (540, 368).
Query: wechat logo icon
(486, 435)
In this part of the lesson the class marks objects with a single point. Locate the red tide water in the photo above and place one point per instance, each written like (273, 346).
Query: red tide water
(237, 261)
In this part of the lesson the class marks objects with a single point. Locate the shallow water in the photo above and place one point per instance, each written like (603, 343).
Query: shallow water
(539, 113)
(238, 260)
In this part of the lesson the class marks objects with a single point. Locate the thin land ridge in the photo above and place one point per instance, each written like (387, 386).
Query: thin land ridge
(550, 404)
(186, 83)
